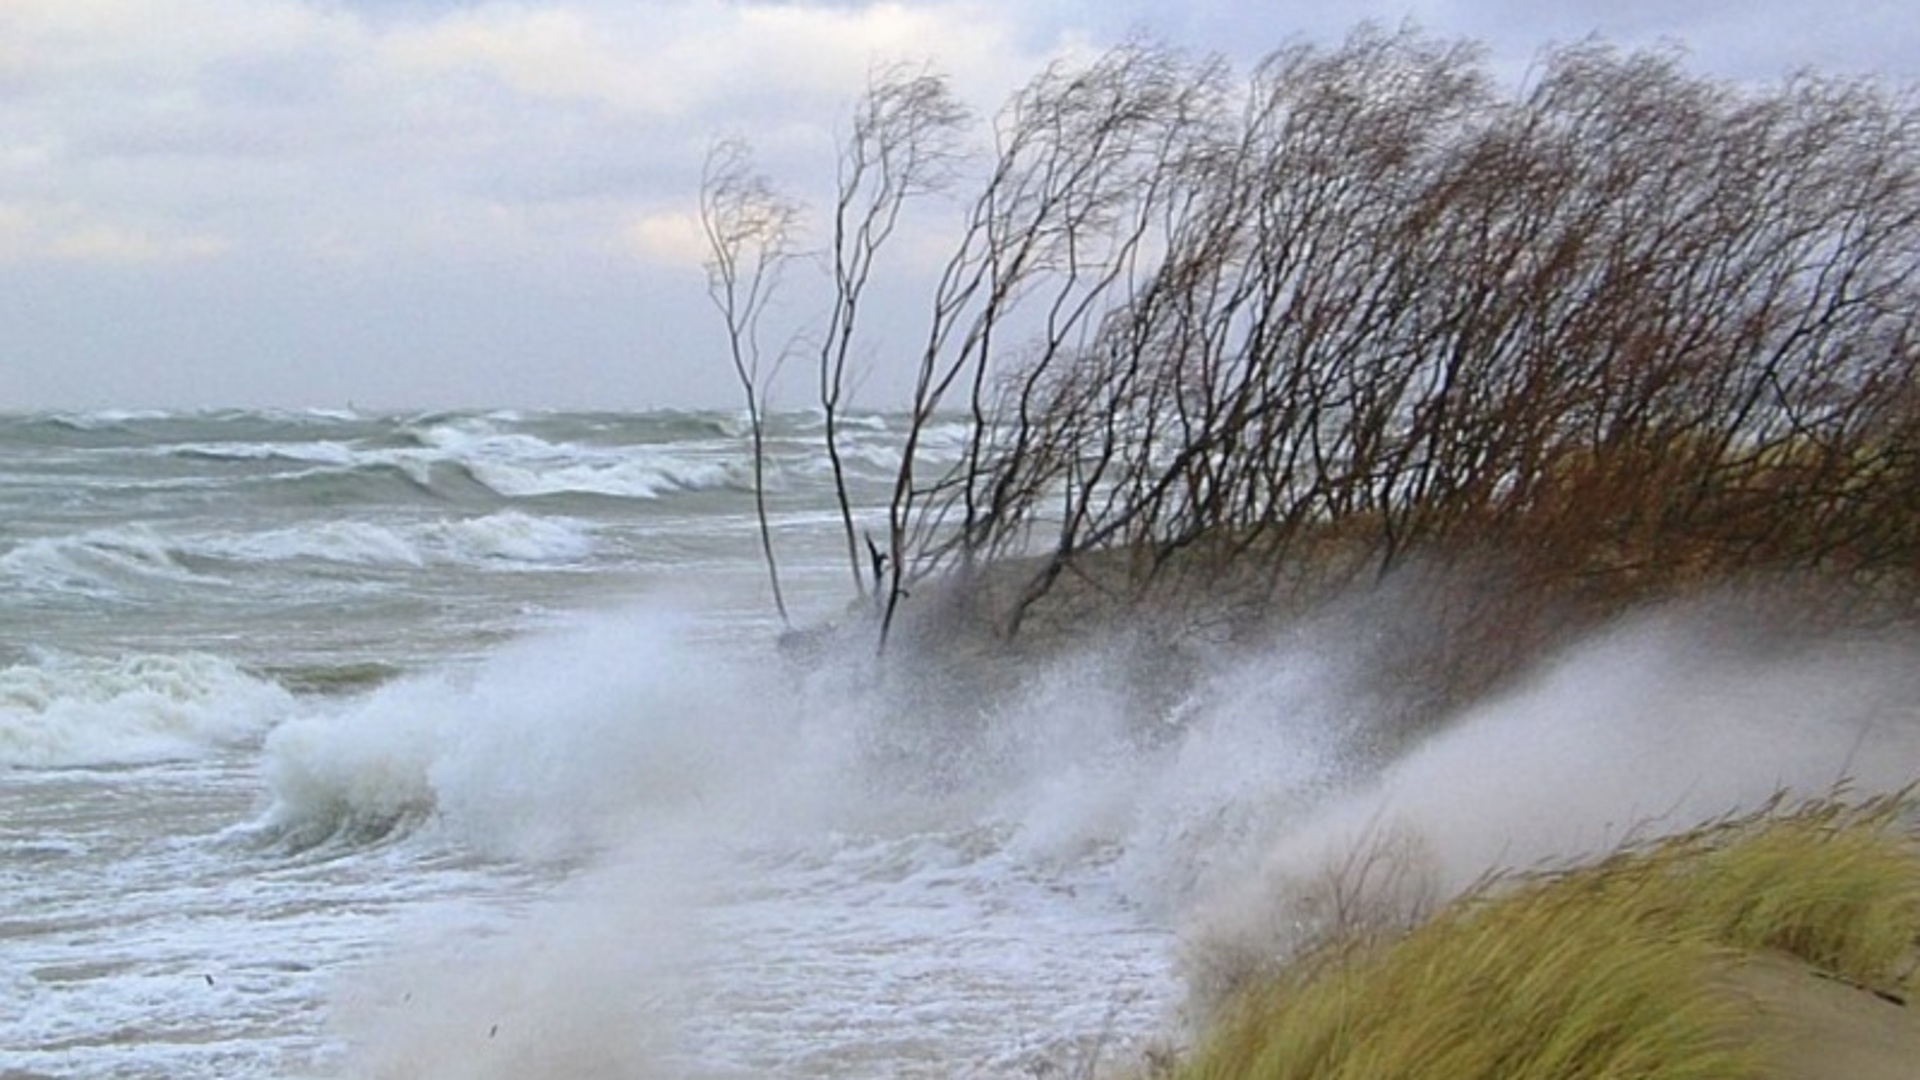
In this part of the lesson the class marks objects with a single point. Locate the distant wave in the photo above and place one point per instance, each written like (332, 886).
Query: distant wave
(619, 476)
(505, 537)
(65, 712)
(103, 419)
(130, 560)
(512, 537)
(101, 562)
(456, 456)
(321, 453)
(511, 464)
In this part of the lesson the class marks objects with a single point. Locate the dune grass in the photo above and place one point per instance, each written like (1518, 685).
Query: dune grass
(1606, 970)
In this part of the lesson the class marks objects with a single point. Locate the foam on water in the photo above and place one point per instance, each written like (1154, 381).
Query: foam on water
(81, 711)
(647, 843)
(552, 749)
(804, 873)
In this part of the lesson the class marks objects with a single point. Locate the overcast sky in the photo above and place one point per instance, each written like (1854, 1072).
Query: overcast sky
(439, 203)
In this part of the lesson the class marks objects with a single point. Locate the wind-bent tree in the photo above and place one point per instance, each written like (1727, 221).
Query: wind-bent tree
(1624, 329)
(750, 239)
(1060, 223)
(905, 143)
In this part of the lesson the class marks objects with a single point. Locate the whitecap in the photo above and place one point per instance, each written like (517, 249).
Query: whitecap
(514, 537)
(81, 711)
(96, 562)
(355, 543)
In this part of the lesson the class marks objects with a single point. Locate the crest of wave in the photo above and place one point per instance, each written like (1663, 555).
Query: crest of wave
(65, 711)
(551, 749)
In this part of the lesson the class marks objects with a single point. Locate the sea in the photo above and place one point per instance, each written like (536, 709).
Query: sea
(464, 744)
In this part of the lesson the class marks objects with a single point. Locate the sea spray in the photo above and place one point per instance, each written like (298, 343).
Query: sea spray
(1662, 723)
(772, 867)
(592, 985)
(556, 746)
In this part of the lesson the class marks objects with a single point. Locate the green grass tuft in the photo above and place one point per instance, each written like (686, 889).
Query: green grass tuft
(1606, 970)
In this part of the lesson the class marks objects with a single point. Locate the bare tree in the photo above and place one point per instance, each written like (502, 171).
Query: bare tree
(905, 143)
(1630, 319)
(1054, 230)
(1626, 327)
(750, 235)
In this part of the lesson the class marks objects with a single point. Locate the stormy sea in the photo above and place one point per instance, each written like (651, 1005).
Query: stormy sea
(462, 745)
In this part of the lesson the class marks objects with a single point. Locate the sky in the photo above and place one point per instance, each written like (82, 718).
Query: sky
(413, 204)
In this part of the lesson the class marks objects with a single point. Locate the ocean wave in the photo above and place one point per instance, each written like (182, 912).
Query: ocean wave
(99, 562)
(354, 543)
(555, 747)
(66, 712)
(104, 419)
(517, 464)
(471, 458)
(506, 467)
(864, 460)
(627, 476)
(319, 452)
(505, 537)
(513, 537)
(353, 776)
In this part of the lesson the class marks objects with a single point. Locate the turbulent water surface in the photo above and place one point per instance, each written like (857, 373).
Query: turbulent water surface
(458, 745)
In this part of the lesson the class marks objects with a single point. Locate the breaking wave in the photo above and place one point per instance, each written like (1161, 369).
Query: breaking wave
(98, 562)
(506, 537)
(58, 712)
(552, 748)
(1089, 807)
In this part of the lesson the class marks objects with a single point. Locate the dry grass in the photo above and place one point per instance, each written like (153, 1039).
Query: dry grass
(1606, 970)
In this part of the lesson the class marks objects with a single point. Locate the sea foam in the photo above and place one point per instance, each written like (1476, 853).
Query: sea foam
(872, 837)
(80, 711)
(553, 748)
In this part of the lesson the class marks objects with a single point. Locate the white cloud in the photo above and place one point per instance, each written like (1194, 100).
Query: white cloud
(667, 237)
(297, 126)
(68, 233)
(555, 54)
(560, 141)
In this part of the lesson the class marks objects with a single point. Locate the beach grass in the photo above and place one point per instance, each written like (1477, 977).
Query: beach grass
(1613, 969)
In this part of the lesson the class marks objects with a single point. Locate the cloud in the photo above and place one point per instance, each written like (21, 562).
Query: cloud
(68, 233)
(669, 237)
(311, 128)
(550, 54)
(536, 139)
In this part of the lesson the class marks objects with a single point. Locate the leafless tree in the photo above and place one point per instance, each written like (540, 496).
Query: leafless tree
(750, 240)
(1624, 328)
(1628, 317)
(905, 143)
